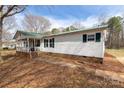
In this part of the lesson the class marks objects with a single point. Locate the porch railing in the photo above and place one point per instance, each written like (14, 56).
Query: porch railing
(24, 49)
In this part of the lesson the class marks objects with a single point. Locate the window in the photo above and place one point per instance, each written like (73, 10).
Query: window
(91, 37)
(98, 37)
(26, 43)
(85, 38)
(45, 42)
(51, 42)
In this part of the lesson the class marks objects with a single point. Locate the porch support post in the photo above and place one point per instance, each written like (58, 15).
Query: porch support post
(34, 44)
(28, 44)
(17, 45)
(21, 45)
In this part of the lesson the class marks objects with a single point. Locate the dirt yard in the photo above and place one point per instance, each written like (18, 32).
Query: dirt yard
(53, 70)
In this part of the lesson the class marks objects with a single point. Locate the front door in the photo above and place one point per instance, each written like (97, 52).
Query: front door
(31, 44)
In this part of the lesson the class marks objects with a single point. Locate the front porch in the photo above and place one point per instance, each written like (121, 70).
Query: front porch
(28, 44)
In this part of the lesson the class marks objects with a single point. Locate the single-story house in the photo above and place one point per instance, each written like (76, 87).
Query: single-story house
(85, 42)
(9, 44)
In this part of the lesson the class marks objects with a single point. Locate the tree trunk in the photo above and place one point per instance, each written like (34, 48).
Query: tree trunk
(1, 24)
(122, 38)
(109, 40)
(118, 37)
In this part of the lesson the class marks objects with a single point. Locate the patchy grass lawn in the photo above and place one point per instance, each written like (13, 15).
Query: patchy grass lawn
(48, 70)
(116, 52)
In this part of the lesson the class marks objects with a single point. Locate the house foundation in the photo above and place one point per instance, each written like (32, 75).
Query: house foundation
(76, 57)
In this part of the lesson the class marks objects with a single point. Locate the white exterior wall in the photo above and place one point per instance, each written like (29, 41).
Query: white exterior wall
(73, 44)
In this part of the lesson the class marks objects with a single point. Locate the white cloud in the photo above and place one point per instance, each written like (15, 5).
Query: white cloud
(56, 23)
(88, 22)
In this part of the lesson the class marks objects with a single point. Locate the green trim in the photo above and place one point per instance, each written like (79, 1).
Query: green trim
(29, 33)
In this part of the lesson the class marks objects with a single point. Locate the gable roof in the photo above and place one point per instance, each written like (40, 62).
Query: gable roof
(40, 35)
(80, 30)
(29, 34)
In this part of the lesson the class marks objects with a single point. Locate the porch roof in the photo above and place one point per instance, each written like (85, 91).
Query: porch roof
(29, 34)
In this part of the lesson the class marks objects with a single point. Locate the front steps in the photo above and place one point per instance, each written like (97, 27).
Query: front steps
(30, 55)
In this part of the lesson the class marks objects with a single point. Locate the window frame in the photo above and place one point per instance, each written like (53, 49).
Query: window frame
(91, 37)
(46, 43)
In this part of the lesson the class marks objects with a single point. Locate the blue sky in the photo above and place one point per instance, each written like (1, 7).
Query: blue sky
(64, 11)
(65, 15)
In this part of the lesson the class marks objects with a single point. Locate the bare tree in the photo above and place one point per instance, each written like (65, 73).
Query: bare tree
(9, 23)
(102, 19)
(78, 25)
(6, 36)
(35, 23)
(7, 11)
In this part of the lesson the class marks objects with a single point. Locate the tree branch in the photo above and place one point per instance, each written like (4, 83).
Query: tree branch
(1, 7)
(16, 12)
(8, 11)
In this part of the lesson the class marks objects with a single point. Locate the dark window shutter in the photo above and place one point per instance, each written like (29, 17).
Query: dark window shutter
(53, 42)
(98, 37)
(85, 38)
(46, 42)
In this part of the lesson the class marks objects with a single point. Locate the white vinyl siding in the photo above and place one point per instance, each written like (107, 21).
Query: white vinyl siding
(73, 44)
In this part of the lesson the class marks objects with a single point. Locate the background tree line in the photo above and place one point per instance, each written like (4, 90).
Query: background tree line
(115, 33)
(115, 36)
